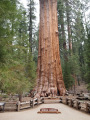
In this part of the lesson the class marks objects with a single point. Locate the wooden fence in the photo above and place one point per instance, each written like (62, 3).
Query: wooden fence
(80, 105)
(17, 106)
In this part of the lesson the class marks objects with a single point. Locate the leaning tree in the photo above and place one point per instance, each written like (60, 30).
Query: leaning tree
(50, 80)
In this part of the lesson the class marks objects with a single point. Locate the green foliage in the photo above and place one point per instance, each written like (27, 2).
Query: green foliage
(18, 34)
(87, 53)
(2, 54)
(31, 22)
(14, 49)
(31, 70)
(71, 24)
(68, 79)
(88, 86)
(74, 64)
(35, 46)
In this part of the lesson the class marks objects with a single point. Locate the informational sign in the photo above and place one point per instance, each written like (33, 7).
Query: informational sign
(48, 110)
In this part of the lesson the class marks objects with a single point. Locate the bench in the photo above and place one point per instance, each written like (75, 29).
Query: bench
(2, 105)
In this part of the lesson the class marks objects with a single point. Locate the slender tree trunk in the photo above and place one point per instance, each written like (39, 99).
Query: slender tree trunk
(30, 27)
(63, 32)
(68, 25)
(62, 25)
(50, 79)
(20, 97)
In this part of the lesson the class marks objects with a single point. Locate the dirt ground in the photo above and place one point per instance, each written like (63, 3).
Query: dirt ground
(67, 113)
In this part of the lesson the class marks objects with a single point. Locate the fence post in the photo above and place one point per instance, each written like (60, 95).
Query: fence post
(66, 101)
(60, 100)
(30, 103)
(3, 107)
(37, 101)
(42, 100)
(33, 103)
(18, 106)
(78, 105)
(87, 108)
(71, 102)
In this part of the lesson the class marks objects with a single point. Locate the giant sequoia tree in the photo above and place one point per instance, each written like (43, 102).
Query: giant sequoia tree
(50, 79)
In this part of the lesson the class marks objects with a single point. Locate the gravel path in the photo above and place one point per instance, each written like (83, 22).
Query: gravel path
(67, 113)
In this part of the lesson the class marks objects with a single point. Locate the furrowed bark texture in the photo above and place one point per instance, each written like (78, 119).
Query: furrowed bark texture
(50, 79)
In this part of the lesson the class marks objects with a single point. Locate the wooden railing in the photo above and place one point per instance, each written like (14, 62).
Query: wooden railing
(17, 106)
(80, 105)
(30, 104)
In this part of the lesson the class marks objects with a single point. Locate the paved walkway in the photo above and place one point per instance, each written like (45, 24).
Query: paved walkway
(67, 113)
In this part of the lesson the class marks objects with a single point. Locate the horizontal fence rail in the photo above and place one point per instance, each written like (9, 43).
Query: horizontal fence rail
(80, 105)
(17, 106)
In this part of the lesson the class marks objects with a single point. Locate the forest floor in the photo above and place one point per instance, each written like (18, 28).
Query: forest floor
(67, 113)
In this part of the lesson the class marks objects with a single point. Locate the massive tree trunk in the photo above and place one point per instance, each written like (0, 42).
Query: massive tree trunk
(50, 79)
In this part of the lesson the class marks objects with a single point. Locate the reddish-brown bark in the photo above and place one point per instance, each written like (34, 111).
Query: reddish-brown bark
(50, 79)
